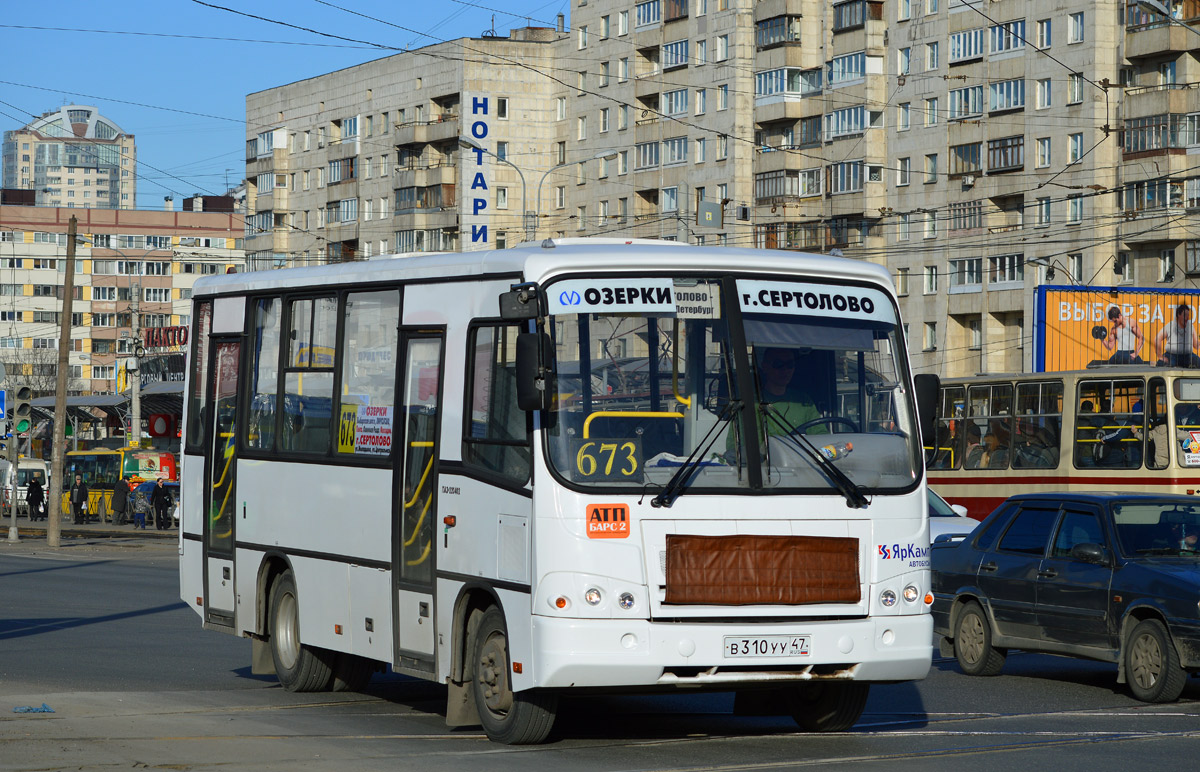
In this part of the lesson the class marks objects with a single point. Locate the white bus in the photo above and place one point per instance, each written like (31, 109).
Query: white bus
(527, 471)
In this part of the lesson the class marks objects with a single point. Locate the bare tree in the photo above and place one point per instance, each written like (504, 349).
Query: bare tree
(36, 368)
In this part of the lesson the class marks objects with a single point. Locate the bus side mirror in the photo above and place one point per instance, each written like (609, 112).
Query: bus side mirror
(929, 387)
(521, 302)
(534, 367)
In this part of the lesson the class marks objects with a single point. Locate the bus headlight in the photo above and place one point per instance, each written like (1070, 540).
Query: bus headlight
(888, 598)
(625, 600)
(593, 597)
(911, 593)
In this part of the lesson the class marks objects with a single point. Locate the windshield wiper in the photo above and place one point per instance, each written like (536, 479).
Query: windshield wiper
(854, 497)
(679, 480)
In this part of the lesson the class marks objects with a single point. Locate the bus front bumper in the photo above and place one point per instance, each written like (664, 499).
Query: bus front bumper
(606, 652)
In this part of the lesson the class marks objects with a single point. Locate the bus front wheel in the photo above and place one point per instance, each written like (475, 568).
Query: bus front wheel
(512, 718)
(299, 667)
(829, 706)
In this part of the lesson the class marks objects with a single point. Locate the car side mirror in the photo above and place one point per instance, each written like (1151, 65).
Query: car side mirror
(1090, 553)
(959, 510)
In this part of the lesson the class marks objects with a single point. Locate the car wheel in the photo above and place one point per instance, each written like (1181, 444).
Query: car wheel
(973, 643)
(829, 706)
(1152, 665)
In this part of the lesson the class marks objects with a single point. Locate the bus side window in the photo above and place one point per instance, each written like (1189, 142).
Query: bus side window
(264, 385)
(1157, 442)
(497, 432)
(308, 376)
(367, 399)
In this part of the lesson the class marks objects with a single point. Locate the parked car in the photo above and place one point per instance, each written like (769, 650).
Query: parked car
(140, 500)
(1113, 577)
(946, 519)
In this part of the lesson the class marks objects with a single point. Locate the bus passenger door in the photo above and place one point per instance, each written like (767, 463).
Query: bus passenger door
(220, 497)
(416, 496)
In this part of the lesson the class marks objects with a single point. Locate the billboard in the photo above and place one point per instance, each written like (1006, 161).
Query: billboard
(1077, 327)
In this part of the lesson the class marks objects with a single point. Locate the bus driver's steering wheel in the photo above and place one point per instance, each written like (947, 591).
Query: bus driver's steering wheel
(831, 420)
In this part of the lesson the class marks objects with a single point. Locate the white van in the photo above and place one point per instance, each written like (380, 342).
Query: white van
(27, 469)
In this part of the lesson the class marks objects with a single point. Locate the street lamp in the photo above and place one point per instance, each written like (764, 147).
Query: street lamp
(1161, 8)
(602, 155)
(470, 144)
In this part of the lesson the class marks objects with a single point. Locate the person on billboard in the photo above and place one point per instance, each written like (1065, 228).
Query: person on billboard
(1125, 336)
(1176, 344)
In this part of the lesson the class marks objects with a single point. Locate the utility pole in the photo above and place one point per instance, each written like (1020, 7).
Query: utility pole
(135, 385)
(54, 526)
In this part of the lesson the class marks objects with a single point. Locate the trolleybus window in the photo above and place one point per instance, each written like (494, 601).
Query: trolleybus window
(948, 450)
(1109, 425)
(988, 427)
(1038, 425)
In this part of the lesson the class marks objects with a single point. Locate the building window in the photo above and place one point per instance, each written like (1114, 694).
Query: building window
(902, 171)
(1043, 152)
(1004, 269)
(902, 226)
(1006, 95)
(1043, 210)
(1075, 266)
(1043, 94)
(931, 167)
(966, 46)
(931, 336)
(903, 117)
(931, 56)
(1009, 36)
(1043, 33)
(1074, 147)
(902, 282)
(966, 158)
(966, 273)
(931, 279)
(1074, 88)
(931, 111)
(1006, 154)
(1075, 33)
(1074, 208)
(502, 198)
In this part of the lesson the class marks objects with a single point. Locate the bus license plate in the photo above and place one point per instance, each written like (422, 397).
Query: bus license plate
(767, 646)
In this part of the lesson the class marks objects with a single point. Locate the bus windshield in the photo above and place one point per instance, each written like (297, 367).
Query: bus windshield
(646, 384)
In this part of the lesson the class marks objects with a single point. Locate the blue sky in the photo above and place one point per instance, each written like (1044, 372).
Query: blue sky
(175, 73)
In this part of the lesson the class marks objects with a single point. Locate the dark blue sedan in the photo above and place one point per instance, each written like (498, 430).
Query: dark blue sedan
(1113, 577)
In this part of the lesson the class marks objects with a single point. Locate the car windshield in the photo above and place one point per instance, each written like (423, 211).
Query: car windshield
(1157, 527)
(939, 508)
(648, 377)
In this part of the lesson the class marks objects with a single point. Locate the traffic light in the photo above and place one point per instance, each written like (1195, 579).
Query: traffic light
(21, 411)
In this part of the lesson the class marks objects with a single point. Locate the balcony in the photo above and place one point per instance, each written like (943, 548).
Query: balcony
(420, 175)
(426, 219)
(440, 129)
(1149, 35)
(1144, 101)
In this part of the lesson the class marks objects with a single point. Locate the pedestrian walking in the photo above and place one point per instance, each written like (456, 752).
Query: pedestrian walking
(160, 503)
(120, 501)
(35, 498)
(79, 499)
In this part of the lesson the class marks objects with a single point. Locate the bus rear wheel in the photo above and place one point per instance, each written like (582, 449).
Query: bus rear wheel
(299, 667)
(508, 717)
(829, 706)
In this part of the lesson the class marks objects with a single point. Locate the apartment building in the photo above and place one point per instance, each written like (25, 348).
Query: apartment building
(75, 158)
(371, 159)
(128, 264)
(976, 151)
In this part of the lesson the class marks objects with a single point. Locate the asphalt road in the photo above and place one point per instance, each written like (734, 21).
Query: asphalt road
(95, 630)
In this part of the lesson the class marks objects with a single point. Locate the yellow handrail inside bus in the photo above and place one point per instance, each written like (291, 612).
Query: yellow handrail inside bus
(420, 560)
(421, 483)
(420, 520)
(626, 414)
(685, 401)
